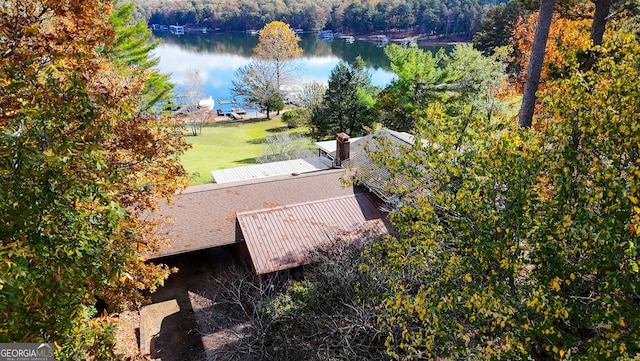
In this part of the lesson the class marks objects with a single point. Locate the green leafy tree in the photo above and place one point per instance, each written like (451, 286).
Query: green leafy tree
(473, 84)
(295, 117)
(274, 102)
(521, 243)
(80, 163)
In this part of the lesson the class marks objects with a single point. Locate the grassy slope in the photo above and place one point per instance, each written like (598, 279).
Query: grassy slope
(226, 146)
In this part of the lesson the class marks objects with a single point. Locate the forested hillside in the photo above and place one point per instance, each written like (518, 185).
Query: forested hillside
(437, 17)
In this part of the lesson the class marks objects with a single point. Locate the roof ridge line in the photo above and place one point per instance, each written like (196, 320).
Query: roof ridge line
(356, 195)
(287, 177)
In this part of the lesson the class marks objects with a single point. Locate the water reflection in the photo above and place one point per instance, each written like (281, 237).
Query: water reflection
(219, 55)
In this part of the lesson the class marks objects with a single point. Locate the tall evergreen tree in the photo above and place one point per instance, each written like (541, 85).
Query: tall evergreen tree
(132, 48)
(346, 105)
(420, 76)
(497, 27)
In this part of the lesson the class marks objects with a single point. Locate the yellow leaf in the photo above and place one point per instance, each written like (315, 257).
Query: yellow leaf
(468, 278)
(633, 199)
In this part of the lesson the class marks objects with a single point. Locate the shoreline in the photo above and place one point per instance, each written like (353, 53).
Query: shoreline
(403, 37)
(397, 36)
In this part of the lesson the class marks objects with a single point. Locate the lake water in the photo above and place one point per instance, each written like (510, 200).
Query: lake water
(218, 55)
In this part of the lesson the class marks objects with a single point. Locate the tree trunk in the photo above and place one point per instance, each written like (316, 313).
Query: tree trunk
(600, 20)
(535, 62)
(598, 26)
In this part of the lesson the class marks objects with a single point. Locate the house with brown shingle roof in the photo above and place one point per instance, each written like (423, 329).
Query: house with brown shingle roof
(204, 216)
(283, 237)
(369, 174)
(280, 218)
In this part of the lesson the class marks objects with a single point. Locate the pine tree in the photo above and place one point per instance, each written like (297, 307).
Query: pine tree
(132, 48)
(346, 106)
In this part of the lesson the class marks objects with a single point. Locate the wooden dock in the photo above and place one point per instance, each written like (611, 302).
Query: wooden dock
(231, 114)
(226, 101)
(235, 112)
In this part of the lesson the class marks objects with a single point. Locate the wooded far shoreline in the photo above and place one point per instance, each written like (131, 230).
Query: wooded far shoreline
(441, 18)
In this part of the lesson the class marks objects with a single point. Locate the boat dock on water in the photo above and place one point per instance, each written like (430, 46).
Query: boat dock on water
(176, 29)
(347, 39)
(325, 35)
(236, 112)
(380, 40)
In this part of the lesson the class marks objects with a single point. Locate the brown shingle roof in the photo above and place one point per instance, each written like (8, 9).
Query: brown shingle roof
(283, 237)
(205, 215)
(377, 178)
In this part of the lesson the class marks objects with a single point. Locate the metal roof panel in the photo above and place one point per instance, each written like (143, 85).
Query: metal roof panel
(283, 237)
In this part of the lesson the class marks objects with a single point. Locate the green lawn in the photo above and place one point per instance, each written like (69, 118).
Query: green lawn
(226, 145)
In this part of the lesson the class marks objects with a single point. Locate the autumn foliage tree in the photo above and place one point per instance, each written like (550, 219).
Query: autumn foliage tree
(512, 243)
(260, 82)
(80, 163)
(568, 39)
(598, 15)
(521, 243)
(278, 45)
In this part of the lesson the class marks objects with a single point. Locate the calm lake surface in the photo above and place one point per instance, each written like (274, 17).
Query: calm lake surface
(218, 55)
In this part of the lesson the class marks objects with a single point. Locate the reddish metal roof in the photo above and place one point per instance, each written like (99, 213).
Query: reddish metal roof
(205, 215)
(283, 237)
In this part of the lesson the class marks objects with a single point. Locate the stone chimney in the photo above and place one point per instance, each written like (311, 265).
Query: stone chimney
(342, 149)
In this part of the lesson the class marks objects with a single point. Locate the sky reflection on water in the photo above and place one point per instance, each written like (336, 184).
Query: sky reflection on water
(217, 68)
